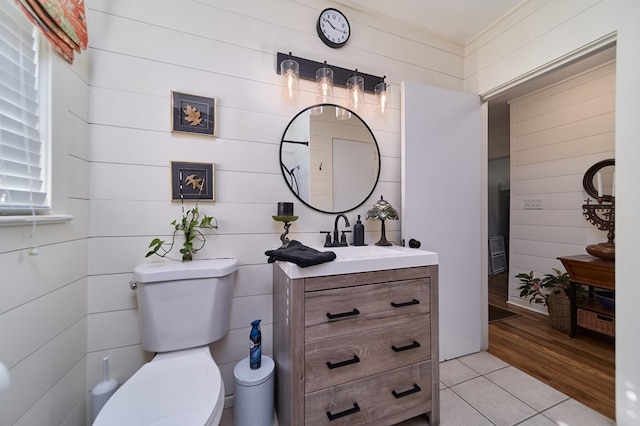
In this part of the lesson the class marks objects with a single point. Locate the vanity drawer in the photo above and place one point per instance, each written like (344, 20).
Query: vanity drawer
(338, 360)
(331, 313)
(381, 399)
(372, 277)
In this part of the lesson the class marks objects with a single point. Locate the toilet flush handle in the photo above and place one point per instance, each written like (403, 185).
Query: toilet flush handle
(133, 285)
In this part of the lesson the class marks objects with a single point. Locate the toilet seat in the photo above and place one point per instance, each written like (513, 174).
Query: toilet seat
(181, 388)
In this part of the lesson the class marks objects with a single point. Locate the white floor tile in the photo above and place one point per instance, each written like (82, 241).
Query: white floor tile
(454, 411)
(526, 388)
(482, 390)
(538, 420)
(573, 413)
(453, 372)
(499, 406)
(483, 362)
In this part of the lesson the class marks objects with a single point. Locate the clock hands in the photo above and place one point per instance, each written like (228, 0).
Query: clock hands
(337, 29)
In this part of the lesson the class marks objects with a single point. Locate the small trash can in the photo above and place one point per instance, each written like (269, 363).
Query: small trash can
(253, 401)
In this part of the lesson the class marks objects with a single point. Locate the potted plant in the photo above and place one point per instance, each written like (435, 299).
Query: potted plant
(533, 288)
(551, 291)
(190, 225)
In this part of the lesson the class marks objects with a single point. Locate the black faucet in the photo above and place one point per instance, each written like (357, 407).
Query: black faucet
(343, 241)
(337, 242)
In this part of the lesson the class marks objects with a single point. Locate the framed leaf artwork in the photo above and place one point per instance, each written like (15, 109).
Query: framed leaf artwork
(193, 114)
(192, 181)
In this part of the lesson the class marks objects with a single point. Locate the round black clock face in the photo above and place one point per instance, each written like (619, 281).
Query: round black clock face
(333, 28)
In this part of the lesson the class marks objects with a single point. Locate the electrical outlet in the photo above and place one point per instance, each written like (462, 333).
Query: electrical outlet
(533, 204)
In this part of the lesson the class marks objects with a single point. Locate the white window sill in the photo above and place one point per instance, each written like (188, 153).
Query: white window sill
(29, 219)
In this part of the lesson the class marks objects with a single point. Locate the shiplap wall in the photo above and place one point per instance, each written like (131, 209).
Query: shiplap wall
(43, 298)
(556, 134)
(532, 36)
(143, 50)
(139, 52)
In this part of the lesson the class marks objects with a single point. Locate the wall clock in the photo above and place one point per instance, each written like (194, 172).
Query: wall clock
(333, 28)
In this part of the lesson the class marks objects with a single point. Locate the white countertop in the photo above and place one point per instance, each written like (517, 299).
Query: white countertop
(354, 259)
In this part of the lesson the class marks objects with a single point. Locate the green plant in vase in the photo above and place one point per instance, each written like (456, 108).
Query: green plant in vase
(551, 291)
(537, 290)
(190, 225)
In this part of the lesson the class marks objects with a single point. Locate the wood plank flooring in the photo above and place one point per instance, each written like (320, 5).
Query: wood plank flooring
(582, 368)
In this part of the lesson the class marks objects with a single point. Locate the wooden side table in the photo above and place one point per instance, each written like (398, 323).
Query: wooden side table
(596, 273)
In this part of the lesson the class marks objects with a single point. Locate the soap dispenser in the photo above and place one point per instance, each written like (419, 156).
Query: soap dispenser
(358, 233)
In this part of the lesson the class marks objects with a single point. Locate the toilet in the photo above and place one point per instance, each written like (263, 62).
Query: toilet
(182, 308)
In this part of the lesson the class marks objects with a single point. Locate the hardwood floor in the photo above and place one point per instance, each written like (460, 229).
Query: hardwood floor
(582, 368)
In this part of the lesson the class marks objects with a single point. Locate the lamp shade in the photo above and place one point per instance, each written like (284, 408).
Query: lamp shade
(382, 93)
(382, 210)
(355, 91)
(324, 81)
(290, 71)
(343, 114)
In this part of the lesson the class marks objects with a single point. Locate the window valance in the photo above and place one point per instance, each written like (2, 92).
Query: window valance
(62, 22)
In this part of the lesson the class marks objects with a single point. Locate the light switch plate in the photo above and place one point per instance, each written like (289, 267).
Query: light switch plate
(533, 204)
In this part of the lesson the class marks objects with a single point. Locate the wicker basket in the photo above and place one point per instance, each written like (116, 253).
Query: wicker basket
(559, 307)
(597, 322)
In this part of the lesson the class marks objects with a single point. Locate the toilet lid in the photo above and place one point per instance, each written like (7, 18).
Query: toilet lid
(181, 391)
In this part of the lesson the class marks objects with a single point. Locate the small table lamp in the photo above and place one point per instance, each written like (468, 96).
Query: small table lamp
(382, 210)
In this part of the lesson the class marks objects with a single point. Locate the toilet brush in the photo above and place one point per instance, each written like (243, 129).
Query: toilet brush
(103, 390)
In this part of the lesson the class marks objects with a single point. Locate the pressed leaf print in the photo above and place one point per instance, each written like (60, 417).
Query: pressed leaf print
(192, 115)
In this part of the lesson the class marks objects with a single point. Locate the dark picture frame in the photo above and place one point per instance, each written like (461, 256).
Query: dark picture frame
(193, 114)
(192, 181)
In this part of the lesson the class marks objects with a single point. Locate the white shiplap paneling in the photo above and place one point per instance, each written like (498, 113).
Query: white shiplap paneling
(224, 50)
(557, 133)
(43, 298)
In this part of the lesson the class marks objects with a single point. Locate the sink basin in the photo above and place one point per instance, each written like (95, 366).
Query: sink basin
(354, 259)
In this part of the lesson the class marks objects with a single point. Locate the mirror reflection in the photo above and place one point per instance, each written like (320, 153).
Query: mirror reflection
(600, 176)
(330, 158)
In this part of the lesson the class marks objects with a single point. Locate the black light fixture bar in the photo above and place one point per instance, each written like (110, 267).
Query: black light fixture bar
(308, 70)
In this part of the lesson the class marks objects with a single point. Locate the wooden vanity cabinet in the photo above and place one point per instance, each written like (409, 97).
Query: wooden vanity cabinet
(356, 349)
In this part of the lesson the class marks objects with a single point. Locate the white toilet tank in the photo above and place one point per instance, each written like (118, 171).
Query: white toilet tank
(184, 304)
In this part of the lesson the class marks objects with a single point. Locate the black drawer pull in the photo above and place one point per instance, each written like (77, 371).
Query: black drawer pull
(603, 318)
(415, 389)
(400, 305)
(343, 314)
(404, 348)
(353, 360)
(353, 410)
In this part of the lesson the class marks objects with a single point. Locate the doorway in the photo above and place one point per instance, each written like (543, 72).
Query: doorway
(516, 339)
(501, 203)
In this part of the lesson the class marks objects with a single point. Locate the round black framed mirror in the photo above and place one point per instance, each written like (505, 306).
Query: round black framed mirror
(330, 158)
(605, 169)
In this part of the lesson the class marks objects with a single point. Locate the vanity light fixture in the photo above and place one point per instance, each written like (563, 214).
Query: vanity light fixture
(382, 210)
(290, 71)
(308, 68)
(355, 91)
(342, 114)
(382, 93)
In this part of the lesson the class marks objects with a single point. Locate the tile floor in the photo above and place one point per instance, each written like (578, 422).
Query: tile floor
(480, 389)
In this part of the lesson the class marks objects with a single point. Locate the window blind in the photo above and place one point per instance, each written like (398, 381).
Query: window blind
(23, 183)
